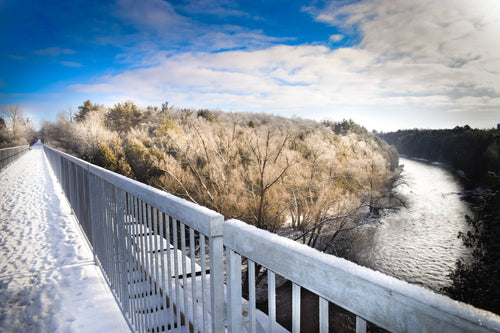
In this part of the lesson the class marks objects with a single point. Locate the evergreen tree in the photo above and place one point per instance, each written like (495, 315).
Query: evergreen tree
(476, 281)
(84, 109)
(123, 116)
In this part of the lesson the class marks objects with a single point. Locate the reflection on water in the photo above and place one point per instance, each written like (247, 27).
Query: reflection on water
(419, 243)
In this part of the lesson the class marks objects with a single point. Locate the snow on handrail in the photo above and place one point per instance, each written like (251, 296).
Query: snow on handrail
(375, 297)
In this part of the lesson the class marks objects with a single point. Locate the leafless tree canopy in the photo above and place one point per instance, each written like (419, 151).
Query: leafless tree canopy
(312, 179)
(15, 127)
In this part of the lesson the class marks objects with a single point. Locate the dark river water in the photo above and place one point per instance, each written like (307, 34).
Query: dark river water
(419, 243)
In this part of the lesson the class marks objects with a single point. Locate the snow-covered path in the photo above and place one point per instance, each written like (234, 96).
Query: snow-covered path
(48, 280)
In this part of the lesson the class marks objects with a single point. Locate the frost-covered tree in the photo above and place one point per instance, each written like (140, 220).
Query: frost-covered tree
(20, 128)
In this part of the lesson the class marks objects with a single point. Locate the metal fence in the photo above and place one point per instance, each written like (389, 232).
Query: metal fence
(164, 260)
(9, 155)
(161, 255)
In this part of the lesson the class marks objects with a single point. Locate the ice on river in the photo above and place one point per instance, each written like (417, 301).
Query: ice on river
(48, 280)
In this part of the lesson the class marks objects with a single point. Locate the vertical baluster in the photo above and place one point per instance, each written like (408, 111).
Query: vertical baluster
(171, 316)
(150, 254)
(271, 292)
(156, 257)
(138, 256)
(192, 248)
(114, 237)
(204, 282)
(176, 272)
(295, 308)
(109, 238)
(93, 203)
(251, 297)
(116, 243)
(360, 325)
(100, 221)
(323, 315)
(234, 291)
(107, 243)
(69, 194)
(147, 284)
(162, 271)
(184, 273)
(140, 259)
(132, 261)
(105, 237)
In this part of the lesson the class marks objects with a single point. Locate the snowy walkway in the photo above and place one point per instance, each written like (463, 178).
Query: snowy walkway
(48, 280)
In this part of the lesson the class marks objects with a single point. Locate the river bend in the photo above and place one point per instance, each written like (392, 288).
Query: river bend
(419, 243)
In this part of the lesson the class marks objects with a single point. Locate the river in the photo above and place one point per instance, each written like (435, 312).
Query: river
(418, 243)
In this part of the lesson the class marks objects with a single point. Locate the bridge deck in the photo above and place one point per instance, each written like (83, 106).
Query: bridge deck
(48, 280)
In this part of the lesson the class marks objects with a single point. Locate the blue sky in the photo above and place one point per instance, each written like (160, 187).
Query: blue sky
(387, 64)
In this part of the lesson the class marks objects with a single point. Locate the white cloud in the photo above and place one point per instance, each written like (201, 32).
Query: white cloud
(336, 38)
(428, 59)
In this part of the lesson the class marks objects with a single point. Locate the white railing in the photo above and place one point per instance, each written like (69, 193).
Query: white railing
(372, 296)
(9, 155)
(163, 258)
(150, 246)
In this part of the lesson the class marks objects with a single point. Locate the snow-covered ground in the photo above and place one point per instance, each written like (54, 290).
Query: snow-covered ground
(48, 280)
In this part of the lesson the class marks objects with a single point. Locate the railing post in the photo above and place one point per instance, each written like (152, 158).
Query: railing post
(234, 291)
(216, 246)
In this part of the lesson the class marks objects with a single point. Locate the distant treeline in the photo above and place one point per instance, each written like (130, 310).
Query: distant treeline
(474, 151)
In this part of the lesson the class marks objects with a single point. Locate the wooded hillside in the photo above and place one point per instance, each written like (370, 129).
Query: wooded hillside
(262, 169)
(474, 151)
